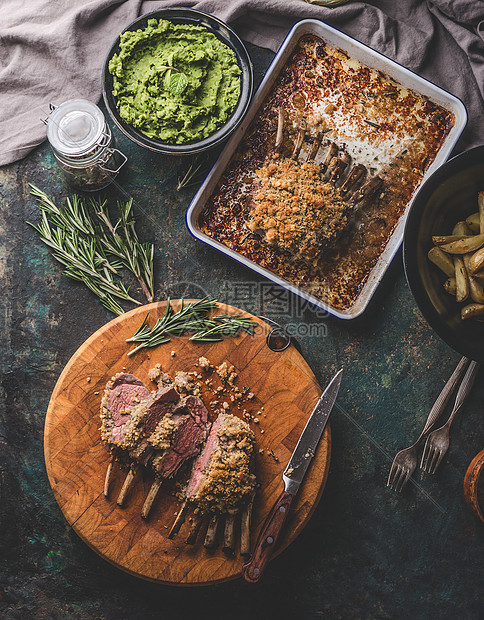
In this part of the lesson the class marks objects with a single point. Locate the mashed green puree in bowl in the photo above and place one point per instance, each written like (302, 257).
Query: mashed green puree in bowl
(174, 82)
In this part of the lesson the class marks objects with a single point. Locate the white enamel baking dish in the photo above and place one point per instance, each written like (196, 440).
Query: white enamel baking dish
(374, 60)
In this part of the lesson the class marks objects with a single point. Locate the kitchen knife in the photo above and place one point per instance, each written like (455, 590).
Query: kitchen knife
(292, 477)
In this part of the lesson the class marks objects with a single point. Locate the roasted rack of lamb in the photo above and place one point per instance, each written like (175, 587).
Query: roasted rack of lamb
(221, 485)
(158, 430)
(303, 206)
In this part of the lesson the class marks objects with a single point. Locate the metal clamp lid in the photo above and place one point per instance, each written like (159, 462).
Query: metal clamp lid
(76, 127)
(111, 152)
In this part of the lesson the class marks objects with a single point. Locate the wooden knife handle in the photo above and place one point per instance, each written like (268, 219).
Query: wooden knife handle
(253, 569)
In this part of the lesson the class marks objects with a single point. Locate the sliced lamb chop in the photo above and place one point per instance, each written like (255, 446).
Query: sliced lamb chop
(143, 422)
(159, 429)
(123, 393)
(221, 482)
(177, 439)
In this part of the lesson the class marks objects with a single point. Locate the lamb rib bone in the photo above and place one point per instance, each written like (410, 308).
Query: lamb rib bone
(299, 140)
(211, 534)
(229, 533)
(245, 525)
(333, 168)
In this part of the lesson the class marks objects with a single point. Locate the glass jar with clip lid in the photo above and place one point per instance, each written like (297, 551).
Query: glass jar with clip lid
(83, 145)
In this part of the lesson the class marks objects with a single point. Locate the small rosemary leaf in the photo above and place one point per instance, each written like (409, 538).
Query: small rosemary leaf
(241, 323)
(112, 306)
(375, 125)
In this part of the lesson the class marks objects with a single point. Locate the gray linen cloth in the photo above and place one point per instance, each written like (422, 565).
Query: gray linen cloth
(53, 50)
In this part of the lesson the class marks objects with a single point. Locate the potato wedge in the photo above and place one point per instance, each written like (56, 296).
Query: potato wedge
(476, 262)
(461, 228)
(461, 279)
(473, 223)
(476, 290)
(468, 244)
(444, 239)
(472, 311)
(450, 286)
(442, 260)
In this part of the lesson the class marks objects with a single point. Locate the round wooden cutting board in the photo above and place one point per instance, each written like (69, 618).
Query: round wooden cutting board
(76, 460)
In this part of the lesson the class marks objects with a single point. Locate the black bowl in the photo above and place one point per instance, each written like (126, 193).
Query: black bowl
(448, 196)
(222, 32)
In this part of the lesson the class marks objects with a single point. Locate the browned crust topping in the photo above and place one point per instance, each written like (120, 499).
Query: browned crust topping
(295, 208)
(227, 481)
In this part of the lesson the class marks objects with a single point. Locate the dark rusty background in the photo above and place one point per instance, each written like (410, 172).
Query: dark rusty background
(366, 553)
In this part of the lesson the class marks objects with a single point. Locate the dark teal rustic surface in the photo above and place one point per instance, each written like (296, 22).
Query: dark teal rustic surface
(367, 553)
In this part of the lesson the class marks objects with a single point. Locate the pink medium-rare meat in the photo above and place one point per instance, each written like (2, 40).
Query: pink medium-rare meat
(186, 439)
(195, 407)
(202, 461)
(163, 402)
(144, 421)
(123, 393)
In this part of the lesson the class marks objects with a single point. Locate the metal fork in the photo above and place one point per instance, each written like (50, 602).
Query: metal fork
(405, 461)
(438, 441)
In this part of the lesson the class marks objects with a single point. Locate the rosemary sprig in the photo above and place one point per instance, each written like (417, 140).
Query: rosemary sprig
(224, 326)
(124, 243)
(74, 216)
(86, 249)
(193, 176)
(192, 317)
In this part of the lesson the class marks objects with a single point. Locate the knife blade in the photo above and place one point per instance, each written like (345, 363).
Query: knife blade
(292, 477)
